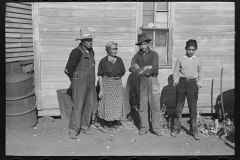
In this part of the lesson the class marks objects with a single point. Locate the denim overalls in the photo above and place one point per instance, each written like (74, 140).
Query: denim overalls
(83, 88)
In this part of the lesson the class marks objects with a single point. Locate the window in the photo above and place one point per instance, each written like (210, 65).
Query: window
(157, 24)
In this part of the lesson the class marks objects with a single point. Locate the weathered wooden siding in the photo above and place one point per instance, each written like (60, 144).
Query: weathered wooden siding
(18, 32)
(58, 27)
(212, 25)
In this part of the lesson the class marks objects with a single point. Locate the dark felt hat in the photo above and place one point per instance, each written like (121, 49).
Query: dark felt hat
(143, 38)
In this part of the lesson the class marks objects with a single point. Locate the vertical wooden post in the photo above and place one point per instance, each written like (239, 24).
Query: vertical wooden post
(139, 15)
(37, 56)
(212, 97)
(154, 23)
(221, 79)
(171, 31)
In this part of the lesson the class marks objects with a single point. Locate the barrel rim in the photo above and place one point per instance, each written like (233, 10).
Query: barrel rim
(27, 76)
(21, 113)
(21, 97)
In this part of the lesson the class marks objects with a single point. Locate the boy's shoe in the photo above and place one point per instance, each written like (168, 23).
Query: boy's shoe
(88, 132)
(174, 134)
(73, 136)
(158, 133)
(196, 136)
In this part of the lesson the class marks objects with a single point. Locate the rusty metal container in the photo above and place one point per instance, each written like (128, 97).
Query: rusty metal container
(20, 102)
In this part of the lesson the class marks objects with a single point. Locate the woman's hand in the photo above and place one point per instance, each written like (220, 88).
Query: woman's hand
(100, 95)
(199, 85)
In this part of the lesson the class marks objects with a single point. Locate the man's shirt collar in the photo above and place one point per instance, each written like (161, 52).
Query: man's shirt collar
(147, 51)
(83, 48)
(186, 57)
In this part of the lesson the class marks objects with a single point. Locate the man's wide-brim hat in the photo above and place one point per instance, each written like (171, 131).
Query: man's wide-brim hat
(143, 38)
(85, 34)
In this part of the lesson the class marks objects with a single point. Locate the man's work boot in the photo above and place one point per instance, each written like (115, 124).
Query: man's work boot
(73, 136)
(196, 136)
(88, 132)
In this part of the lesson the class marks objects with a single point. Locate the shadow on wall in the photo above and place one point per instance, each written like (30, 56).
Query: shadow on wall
(168, 95)
(167, 99)
(132, 99)
(228, 104)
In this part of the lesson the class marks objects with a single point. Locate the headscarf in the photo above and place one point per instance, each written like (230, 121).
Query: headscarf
(107, 46)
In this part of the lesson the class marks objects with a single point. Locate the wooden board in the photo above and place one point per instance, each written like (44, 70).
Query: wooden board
(18, 10)
(199, 22)
(204, 6)
(12, 45)
(18, 40)
(205, 14)
(37, 60)
(204, 28)
(87, 21)
(16, 15)
(19, 54)
(96, 43)
(65, 51)
(17, 25)
(93, 28)
(19, 58)
(16, 20)
(94, 5)
(198, 36)
(99, 36)
(19, 5)
(85, 13)
(207, 43)
(27, 3)
(49, 112)
(18, 35)
(14, 30)
(30, 49)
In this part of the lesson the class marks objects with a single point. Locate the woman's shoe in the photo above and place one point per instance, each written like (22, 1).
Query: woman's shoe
(105, 129)
(116, 126)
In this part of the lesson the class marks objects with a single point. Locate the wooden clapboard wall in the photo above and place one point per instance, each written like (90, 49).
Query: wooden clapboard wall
(56, 26)
(212, 25)
(18, 32)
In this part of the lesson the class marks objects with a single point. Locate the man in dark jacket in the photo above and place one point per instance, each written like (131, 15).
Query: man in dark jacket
(80, 69)
(145, 63)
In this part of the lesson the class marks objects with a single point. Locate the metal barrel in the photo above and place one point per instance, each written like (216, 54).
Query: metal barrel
(20, 101)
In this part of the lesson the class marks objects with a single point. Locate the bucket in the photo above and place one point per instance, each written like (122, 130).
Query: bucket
(20, 102)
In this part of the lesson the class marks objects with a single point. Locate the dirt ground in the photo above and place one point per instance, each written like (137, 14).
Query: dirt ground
(50, 138)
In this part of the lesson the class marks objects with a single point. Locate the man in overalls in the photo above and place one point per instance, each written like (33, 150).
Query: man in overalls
(80, 69)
